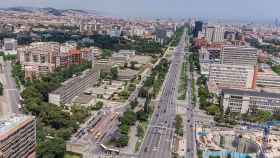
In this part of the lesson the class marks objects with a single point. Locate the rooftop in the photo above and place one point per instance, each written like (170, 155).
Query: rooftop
(252, 93)
(84, 99)
(73, 81)
(12, 122)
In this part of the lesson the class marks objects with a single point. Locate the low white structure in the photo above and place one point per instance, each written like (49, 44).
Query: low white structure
(10, 46)
(242, 101)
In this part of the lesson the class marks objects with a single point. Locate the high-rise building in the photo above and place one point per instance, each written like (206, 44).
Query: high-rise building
(214, 34)
(197, 28)
(230, 76)
(17, 136)
(239, 55)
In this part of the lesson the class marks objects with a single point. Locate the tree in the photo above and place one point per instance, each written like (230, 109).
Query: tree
(140, 131)
(227, 112)
(179, 125)
(98, 105)
(129, 118)
(142, 115)
(114, 73)
(213, 109)
(124, 94)
(134, 103)
(125, 65)
(143, 92)
(132, 64)
(131, 87)
(106, 53)
(52, 148)
(122, 141)
(147, 102)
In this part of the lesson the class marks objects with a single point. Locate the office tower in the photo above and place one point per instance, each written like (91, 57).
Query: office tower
(214, 34)
(197, 28)
(17, 136)
(239, 55)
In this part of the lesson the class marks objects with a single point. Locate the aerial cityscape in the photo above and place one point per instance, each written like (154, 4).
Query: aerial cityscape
(145, 79)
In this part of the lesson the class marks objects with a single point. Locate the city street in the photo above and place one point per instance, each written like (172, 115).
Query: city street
(11, 93)
(190, 120)
(159, 139)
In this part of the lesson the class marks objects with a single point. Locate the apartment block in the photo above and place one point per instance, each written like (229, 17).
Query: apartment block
(230, 76)
(73, 87)
(39, 58)
(214, 34)
(17, 136)
(270, 81)
(239, 55)
(87, 54)
(44, 57)
(242, 101)
(10, 46)
(65, 52)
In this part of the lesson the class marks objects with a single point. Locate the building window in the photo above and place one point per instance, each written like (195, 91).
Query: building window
(35, 58)
(42, 59)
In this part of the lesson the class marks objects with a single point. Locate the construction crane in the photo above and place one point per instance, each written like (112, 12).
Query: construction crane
(266, 131)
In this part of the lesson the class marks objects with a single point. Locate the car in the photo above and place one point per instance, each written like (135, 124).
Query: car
(188, 150)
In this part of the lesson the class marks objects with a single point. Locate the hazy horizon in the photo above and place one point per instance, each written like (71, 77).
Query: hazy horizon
(249, 10)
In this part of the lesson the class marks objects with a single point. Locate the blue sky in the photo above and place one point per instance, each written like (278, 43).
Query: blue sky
(218, 9)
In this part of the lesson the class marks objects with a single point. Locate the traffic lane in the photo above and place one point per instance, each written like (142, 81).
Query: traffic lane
(171, 77)
(190, 135)
(14, 100)
(12, 91)
(148, 148)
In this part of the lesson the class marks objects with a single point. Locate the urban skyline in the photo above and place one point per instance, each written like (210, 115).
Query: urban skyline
(248, 10)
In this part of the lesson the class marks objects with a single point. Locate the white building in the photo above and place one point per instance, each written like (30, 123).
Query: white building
(242, 101)
(239, 55)
(10, 46)
(230, 76)
(214, 34)
(73, 87)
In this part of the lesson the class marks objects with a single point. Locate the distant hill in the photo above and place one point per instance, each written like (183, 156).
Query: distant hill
(51, 11)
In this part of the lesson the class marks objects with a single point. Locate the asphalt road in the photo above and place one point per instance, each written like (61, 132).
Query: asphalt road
(10, 87)
(190, 136)
(159, 138)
